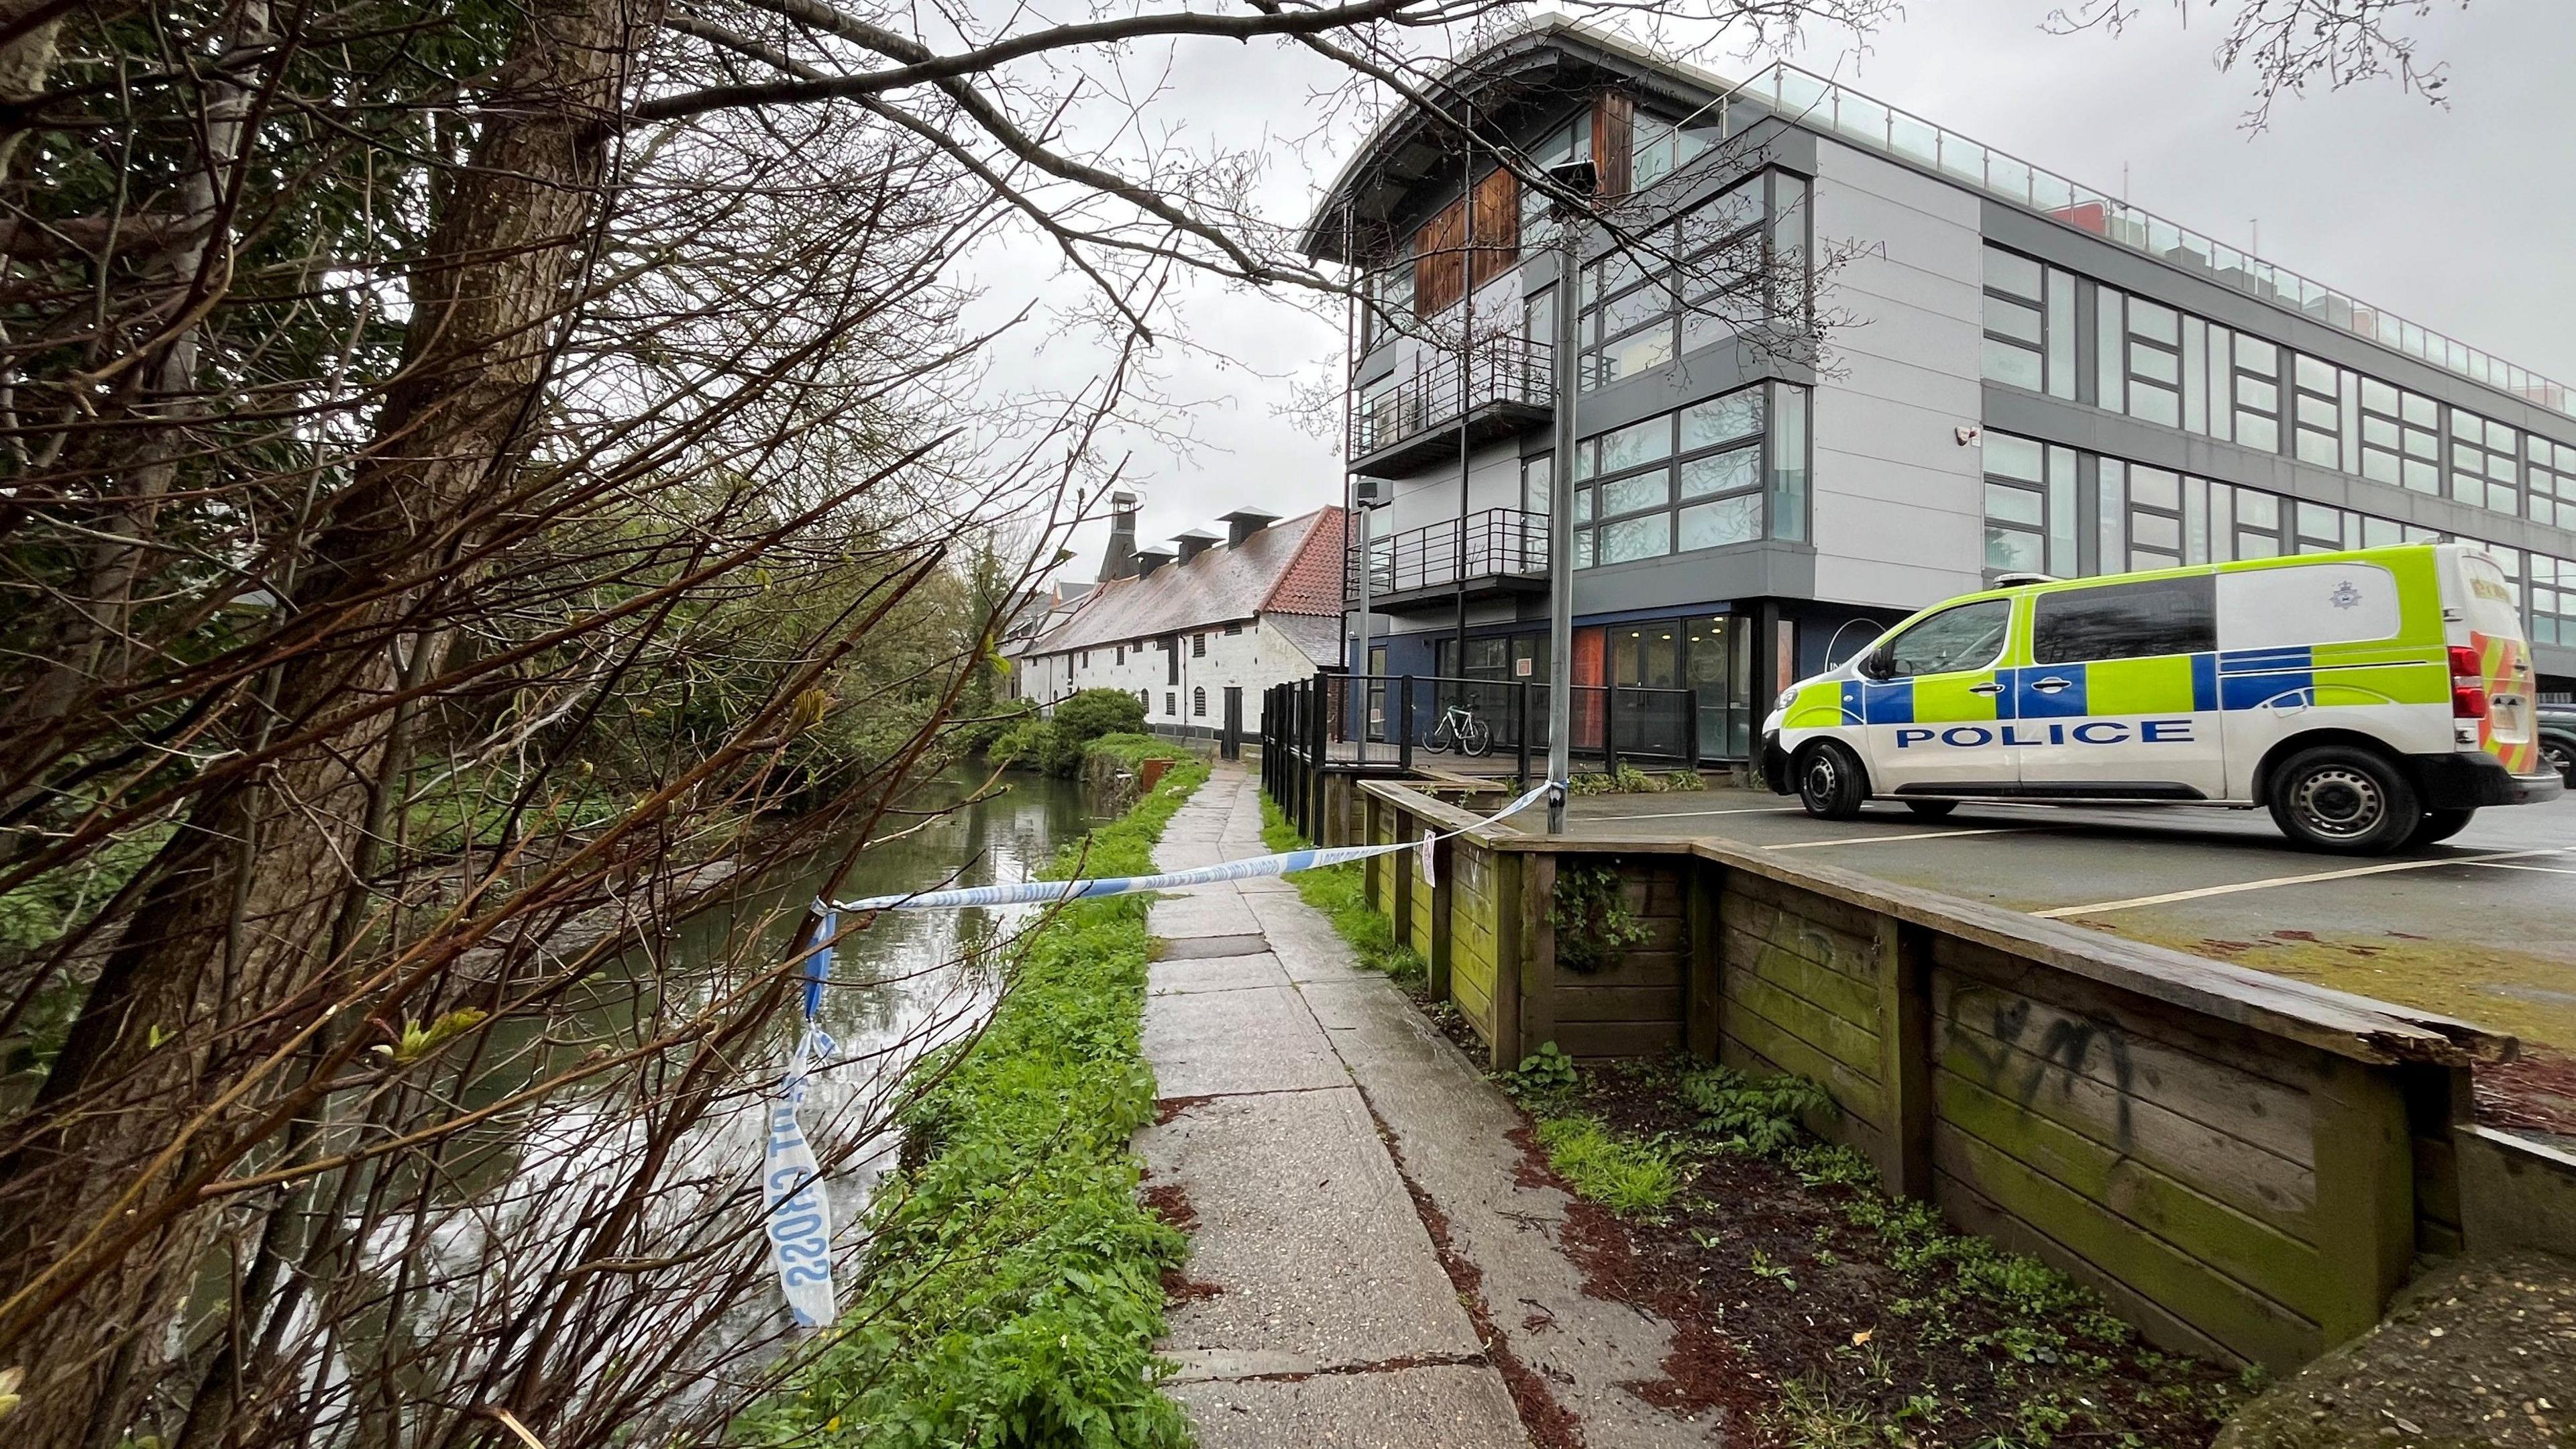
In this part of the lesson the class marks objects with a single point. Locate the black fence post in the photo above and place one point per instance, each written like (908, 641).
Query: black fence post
(1315, 769)
(1690, 729)
(1610, 729)
(1520, 707)
(1404, 725)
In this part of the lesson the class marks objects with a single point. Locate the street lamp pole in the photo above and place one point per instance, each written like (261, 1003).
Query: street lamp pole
(1578, 179)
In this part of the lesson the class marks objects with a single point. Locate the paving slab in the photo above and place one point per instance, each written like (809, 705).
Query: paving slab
(1258, 1040)
(1193, 947)
(1306, 1234)
(1305, 940)
(1202, 911)
(1214, 973)
(1448, 1406)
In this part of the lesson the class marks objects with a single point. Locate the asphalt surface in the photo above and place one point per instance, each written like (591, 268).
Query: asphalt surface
(2482, 926)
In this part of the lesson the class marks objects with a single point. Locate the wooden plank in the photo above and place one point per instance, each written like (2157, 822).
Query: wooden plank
(2245, 1175)
(1813, 1025)
(1443, 911)
(2365, 1214)
(1400, 914)
(1853, 956)
(1904, 1056)
(1618, 1003)
(1854, 1092)
(1526, 886)
(1635, 966)
(1825, 911)
(2253, 1253)
(1972, 1211)
(1827, 989)
(1592, 1039)
(1703, 1011)
(2099, 1246)
(2036, 1045)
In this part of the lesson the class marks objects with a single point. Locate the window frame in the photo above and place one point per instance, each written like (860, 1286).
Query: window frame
(2204, 585)
(2003, 641)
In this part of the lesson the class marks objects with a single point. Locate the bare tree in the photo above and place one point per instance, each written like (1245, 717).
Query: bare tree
(2292, 45)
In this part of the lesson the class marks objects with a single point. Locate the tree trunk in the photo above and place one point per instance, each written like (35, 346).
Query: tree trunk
(240, 903)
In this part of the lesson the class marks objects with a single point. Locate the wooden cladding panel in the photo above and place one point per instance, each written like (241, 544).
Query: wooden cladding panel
(1475, 933)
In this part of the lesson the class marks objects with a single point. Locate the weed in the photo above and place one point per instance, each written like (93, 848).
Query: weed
(1756, 1114)
(1341, 893)
(1684, 780)
(1592, 921)
(1545, 1073)
(1626, 1177)
(1013, 1288)
(1808, 1418)
(1769, 1271)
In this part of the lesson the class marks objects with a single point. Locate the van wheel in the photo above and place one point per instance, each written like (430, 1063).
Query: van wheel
(2348, 801)
(2438, 826)
(1931, 809)
(1830, 783)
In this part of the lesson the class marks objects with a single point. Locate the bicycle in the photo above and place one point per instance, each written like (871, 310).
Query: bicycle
(1459, 726)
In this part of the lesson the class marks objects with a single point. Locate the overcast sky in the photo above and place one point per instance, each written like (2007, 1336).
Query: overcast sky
(2458, 218)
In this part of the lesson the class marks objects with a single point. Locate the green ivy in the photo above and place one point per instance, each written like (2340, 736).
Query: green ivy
(1592, 923)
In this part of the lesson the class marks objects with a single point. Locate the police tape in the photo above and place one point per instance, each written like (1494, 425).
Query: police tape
(1051, 892)
(798, 1217)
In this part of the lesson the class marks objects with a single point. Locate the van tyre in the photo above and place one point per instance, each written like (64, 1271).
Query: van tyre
(1931, 809)
(2344, 800)
(1830, 782)
(2438, 826)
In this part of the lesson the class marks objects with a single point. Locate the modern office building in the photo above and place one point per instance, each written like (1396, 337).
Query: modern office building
(2018, 373)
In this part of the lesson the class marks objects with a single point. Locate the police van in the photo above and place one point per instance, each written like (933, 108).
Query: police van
(2372, 700)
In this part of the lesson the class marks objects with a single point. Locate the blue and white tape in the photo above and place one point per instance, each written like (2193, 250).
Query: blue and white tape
(1049, 892)
(799, 1219)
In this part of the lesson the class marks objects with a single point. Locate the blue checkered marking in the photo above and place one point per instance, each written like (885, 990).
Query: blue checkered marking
(2032, 702)
(1890, 703)
(2253, 678)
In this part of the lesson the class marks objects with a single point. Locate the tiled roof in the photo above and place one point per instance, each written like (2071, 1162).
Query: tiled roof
(1292, 567)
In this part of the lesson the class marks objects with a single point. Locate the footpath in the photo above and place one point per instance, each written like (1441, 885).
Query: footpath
(1375, 1257)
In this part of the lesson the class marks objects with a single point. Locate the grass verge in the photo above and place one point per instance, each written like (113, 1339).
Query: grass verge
(1013, 1287)
(1341, 893)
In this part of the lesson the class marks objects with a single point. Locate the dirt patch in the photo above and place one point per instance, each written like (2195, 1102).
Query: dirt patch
(1167, 1108)
(1797, 1326)
(1167, 1200)
(2483, 1352)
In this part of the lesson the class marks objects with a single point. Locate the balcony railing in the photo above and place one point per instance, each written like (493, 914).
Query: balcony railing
(1498, 370)
(1814, 101)
(1497, 544)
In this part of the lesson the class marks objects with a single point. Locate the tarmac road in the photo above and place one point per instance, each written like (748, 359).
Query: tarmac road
(2482, 926)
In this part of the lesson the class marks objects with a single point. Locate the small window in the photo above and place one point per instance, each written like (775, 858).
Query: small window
(1122, 653)
(1198, 702)
(1198, 650)
(2320, 603)
(1233, 629)
(2125, 621)
(1970, 636)
(1171, 704)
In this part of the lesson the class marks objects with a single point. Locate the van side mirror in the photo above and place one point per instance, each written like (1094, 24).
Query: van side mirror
(1879, 663)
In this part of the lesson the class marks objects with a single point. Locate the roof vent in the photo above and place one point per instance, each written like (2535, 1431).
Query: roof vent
(1195, 542)
(1150, 559)
(1243, 523)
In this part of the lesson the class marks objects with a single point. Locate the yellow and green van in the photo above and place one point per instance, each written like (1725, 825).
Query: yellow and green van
(2372, 700)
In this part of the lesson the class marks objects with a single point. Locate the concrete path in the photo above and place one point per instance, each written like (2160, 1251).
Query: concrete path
(1332, 1147)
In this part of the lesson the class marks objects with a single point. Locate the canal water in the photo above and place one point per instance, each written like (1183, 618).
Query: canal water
(905, 985)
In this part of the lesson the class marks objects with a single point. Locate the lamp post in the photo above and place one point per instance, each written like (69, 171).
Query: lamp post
(1578, 179)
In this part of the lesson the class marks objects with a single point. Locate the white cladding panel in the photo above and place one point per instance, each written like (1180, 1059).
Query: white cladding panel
(1899, 512)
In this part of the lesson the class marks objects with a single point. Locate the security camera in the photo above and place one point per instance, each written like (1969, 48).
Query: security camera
(1967, 436)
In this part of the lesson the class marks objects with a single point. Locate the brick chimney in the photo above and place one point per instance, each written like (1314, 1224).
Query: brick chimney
(1118, 561)
(1243, 523)
(1195, 542)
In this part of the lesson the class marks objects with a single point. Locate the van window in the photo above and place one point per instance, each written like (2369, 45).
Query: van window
(1967, 637)
(2493, 604)
(2308, 603)
(2124, 621)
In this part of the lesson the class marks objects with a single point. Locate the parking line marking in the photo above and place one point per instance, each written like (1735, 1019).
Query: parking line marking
(1914, 835)
(1692, 814)
(2282, 880)
(2508, 865)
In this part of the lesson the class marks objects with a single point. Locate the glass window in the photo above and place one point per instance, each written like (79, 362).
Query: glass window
(1727, 472)
(1725, 521)
(1644, 490)
(2125, 621)
(1636, 538)
(2012, 457)
(1722, 420)
(1635, 444)
(1969, 636)
(2015, 345)
(1789, 462)
(1536, 476)
(2008, 504)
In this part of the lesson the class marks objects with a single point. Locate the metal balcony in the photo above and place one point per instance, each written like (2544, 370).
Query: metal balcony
(1498, 552)
(1507, 386)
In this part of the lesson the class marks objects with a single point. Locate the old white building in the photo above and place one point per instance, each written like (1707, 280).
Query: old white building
(1202, 629)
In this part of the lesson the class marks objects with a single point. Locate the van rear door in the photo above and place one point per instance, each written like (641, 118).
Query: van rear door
(2489, 608)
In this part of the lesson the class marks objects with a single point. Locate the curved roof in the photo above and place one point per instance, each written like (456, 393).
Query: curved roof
(1548, 58)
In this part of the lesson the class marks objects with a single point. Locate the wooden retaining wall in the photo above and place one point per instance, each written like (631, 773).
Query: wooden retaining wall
(2244, 1165)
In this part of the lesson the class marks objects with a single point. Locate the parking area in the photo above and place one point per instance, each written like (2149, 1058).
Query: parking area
(2482, 926)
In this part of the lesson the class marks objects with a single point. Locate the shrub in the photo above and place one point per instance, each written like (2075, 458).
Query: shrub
(1023, 745)
(1095, 712)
